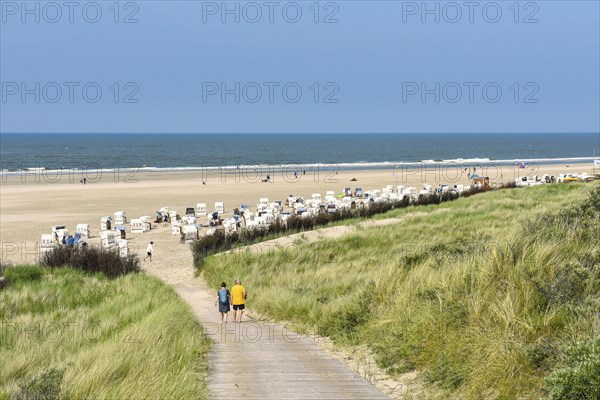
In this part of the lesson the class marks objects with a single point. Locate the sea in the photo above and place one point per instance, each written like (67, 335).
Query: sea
(175, 151)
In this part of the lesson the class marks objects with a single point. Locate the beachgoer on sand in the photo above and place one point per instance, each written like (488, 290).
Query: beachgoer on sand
(238, 299)
(149, 251)
(224, 301)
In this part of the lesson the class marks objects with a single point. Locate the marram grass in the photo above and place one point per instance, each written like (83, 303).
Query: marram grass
(130, 337)
(481, 296)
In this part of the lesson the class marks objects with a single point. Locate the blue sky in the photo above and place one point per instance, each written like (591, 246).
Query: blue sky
(370, 66)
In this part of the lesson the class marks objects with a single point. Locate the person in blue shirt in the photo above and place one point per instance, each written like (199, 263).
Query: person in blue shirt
(224, 301)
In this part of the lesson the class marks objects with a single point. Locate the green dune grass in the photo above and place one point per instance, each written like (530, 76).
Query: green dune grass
(130, 337)
(481, 296)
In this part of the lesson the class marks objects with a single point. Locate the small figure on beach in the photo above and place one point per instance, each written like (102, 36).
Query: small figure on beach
(236, 217)
(224, 301)
(149, 251)
(238, 299)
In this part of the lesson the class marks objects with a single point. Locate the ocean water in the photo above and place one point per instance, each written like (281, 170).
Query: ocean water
(190, 151)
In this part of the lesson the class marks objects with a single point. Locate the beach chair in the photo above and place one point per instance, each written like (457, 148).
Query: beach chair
(262, 203)
(329, 196)
(200, 209)
(176, 227)
(251, 224)
(48, 242)
(137, 226)
(60, 232)
(190, 233)
(83, 230)
(106, 223)
(147, 222)
(107, 240)
(173, 216)
(120, 218)
(123, 247)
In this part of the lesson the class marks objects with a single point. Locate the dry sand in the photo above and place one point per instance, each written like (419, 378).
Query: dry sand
(30, 205)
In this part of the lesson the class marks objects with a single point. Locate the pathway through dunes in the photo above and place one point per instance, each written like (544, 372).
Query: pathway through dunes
(258, 360)
(255, 359)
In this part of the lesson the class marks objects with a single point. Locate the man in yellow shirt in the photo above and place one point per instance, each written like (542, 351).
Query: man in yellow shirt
(238, 299)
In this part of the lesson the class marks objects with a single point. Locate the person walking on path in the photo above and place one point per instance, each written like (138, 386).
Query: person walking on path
(238, 299)
(149, 251)
(224, 301)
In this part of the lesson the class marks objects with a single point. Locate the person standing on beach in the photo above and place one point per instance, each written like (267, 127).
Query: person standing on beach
(149, 251)
(224, 301)
(238, 299)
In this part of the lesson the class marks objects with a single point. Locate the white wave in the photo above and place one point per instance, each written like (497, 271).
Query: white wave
(295, 167)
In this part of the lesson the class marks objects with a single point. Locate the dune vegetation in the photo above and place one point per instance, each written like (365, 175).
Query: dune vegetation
(491, 296)
(67, 333)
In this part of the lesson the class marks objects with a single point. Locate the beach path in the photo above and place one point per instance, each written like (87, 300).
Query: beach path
(256, 359)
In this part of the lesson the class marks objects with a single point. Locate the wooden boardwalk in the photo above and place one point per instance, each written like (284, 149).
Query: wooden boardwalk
(257, 360)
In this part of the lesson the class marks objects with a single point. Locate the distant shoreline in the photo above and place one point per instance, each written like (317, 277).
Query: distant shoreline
(310, 167)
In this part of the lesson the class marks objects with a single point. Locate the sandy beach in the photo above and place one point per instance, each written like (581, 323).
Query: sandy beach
(31, 204)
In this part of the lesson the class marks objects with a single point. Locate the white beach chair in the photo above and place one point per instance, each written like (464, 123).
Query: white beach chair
(137, 226)
(60, 232)
(48, 242)
(173, 216)
(190, 233)
(84, 230)
(200, 209)
(108, 241)
(120, 218)
(176, 227)
(123, 246)
(262, 203)
(106, 223)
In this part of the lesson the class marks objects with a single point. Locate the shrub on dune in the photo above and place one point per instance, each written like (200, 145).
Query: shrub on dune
(91, 259)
